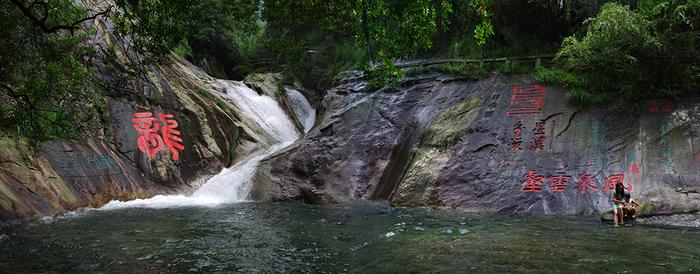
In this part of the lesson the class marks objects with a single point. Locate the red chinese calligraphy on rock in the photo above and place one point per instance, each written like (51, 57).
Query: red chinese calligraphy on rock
(537, 142)
(558, 182)
(634, 169)
(526, 100)
(148, 141)
(585, 182)
(667, 105)
(517, 141)
(654, 106)
(612, 180)
(532, 182)
(171, 136)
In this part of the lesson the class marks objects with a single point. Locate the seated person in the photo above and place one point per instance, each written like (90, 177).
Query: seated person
(618, 203)
(628, 208)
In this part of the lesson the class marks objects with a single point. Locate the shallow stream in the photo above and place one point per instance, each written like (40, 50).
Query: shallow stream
(362, 237)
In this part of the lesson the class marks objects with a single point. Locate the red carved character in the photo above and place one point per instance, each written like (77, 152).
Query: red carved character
(585, 181)
(518, 140)
(537, 142)
(539, 128)
(148, 141)
(653, 107)
(612, 180)
(532, 182)
(526, 100)
(171, 135)
(667, 105)
(558, 182)
(634, 169)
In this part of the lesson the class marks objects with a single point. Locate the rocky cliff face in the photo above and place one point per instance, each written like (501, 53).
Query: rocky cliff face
(497, 145)
(64, 175)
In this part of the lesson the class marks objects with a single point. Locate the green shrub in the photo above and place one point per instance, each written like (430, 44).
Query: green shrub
(581, 98)
(183, 50)
(46, 90)
(558, 76)
(384, 75)
(513, 67)
(628, 55)
(234, 149)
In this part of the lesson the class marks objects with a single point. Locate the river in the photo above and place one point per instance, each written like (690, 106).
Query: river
(361, 237)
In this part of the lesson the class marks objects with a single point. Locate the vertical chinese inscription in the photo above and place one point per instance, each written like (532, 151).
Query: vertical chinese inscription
(537, 142)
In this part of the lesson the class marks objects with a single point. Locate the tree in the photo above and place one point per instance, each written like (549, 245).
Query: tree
(47, 89)
(386, 29)
(48, 86)
(641, 54)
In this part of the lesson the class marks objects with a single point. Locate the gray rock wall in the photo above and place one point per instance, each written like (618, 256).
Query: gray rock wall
(446, 141)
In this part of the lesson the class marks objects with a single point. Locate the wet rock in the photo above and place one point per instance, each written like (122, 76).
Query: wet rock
(446, 141)
(690, 220)
(63, 175)
(270, 84)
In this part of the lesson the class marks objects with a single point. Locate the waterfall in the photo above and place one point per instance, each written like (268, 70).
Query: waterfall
(303, 110)
(262, 109)
(233, 184)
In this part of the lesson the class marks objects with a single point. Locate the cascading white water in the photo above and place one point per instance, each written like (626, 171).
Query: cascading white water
(262, 109)
(220, 188)
(303, 110)
(233, 184)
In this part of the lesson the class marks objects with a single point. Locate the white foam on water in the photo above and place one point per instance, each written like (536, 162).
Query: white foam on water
(262, 109)
(234, 184)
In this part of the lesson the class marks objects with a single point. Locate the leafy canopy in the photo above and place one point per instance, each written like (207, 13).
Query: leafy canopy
(638, 54)
(49, 87)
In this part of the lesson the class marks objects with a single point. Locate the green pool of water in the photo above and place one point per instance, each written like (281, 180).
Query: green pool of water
(363, 237)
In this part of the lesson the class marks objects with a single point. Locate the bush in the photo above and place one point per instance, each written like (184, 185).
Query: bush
(633, 55)
(581, 98)
(558, 76)
(469, 70)
(385, 74)
(46, 90)
(514, 67)
(220, 103)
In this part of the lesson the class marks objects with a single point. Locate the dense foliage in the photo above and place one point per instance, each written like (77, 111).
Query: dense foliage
(645, 53)
(313, 40)
(46, 88)
(48, 85)
(49, 88)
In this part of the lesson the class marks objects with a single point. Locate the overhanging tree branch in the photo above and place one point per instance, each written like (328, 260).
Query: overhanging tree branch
(41, 22)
